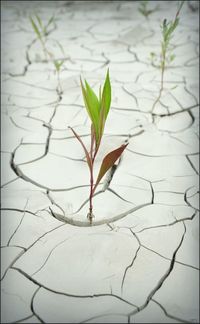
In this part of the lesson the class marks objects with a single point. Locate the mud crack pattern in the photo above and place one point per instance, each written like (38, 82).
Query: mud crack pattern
(139, 263)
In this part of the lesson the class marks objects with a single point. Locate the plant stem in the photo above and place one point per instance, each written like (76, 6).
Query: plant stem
(161, 81)
(163, 56)
(92, 142)
(91, 189)
(59, 83)
(179, 9)
(90, 214)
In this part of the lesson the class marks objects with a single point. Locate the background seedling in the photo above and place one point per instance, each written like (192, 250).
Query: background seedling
(41, 32)
(58, 65)
(168, 29)
(97, 109)
(143, 9)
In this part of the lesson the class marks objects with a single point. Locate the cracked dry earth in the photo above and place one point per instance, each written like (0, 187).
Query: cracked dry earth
(139, 262)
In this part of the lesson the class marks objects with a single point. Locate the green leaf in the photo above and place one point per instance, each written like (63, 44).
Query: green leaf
(39, 21)
(92, 99)
(108, 162)
(50, 21)
(105, 105)
(45, 29)
(106, 95)
(92, 105)
(174, 87)
(169, 28)
(172, 57)
(61, 47)
(58, 65)
(97, 108)
(85, 99)
(100, 96)
(102, 120)
(89, 162)
(35, 28)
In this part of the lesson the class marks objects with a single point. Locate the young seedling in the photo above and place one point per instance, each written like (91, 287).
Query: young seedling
(58, 65)
(42, 31)
(144, 10)
(97, 109)
(168, 29)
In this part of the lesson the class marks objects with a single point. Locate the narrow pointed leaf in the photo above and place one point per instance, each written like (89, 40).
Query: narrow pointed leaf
(105, 105)
(45, 29)
(50, 21)
(102, 120)
(108, 161)
(106, 95)
(94, 102)
(39, 21)
(100, 96)
(35, 28)
(84, 148)
(61, 47)
(85, 99)
(93, 113)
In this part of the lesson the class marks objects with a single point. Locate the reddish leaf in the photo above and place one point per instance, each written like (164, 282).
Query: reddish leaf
(85, 150)
(108, 162)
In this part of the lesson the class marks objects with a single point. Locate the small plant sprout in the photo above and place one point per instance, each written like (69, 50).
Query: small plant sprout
(168, 29)
(97, 109)
(144, 10)
(42, 32)
(58, 65)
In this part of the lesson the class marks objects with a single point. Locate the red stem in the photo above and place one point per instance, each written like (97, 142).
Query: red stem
(91, 170)
(91, 188)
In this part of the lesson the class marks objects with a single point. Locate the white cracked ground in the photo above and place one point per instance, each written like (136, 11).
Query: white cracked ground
(140, 262)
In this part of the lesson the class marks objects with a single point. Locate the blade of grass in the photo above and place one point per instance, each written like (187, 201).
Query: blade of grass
(35, 28)
(106, 95)
(50, 21)
(91, 105)
(39, 21)
(92, 100)
(105, 105)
